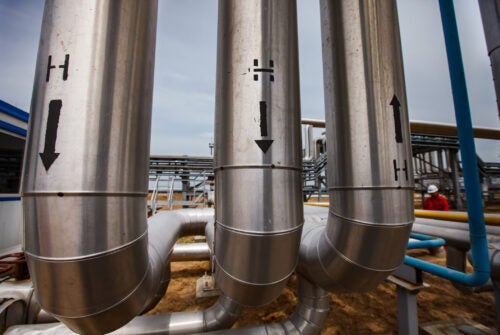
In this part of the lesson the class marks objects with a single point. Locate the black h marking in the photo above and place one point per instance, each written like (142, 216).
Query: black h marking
(396, 170)
(263, 118)
(269, 70)
(49, 67)
(64, 66)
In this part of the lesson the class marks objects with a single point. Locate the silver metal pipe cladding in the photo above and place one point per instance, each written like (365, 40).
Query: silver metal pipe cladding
(490, 14)
(370, 172)
(259, 211)
(308, 317)
(85, 177)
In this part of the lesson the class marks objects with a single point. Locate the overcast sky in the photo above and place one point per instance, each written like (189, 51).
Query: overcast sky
(183, 103)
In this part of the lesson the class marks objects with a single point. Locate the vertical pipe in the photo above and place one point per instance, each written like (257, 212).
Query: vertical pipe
(453, 157)
(309, 143)
(370, 172)
(257, 149)
(490, 13)
(86, 166)
(477, 229)
(466, 140)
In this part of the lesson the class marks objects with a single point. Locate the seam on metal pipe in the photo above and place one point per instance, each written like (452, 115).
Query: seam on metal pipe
(262, 233)
(88, 256)
(370, 223)
(257, 149)
(85, 186)
(366, 120)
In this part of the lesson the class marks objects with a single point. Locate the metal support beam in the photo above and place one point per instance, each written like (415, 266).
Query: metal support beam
(408, 281)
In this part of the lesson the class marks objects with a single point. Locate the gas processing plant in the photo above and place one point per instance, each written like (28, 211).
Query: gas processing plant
(98, 260)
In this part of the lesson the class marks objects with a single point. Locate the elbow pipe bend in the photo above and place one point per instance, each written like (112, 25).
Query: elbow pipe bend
(308, 317)
(164, 229)
(221, 315)
(85, 170)
(333, 266)
(370, 175)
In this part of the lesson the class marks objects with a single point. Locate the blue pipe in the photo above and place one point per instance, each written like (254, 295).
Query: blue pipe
(477, 231)
(425, 241)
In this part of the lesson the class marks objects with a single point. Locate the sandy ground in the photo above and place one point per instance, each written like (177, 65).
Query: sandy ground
(350, 313)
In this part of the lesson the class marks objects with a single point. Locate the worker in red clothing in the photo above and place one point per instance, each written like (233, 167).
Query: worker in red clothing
(436, 201)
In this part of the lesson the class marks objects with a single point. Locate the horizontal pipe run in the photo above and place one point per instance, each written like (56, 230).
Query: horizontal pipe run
(490, 230)
(430, 128)
(164, 229)
(315, 226)
(308, 317)
(476, 278)
(184, 252)
(424, 241)
(489, 219)
(456, 237)
(221, 315)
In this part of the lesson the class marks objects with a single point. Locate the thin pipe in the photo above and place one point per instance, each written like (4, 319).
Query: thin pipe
(424, 241)
(489, 219)
(490, 230)
(429, 128)
(190, 252)
(477, 231)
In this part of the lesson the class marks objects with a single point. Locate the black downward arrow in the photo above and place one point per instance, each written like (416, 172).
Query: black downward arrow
(263, 118)
(263, 144)
(397, 119)
(49, 154)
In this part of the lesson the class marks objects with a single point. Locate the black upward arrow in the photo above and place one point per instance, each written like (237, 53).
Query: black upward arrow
(397, 119)
(263, 144)
(49, 154)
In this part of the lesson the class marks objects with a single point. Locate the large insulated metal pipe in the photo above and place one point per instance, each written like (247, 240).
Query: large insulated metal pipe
(490, 13)
(370, 163)
(86, 165)
(221, 315)
(308, 318)
(257, 149)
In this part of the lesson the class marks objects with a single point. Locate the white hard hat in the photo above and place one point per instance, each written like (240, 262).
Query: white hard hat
(432, 189)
